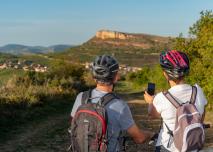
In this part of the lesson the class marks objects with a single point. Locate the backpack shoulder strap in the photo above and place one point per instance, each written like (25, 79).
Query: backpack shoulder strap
(171, 99)
(85, 96)
(107, 98)
(194, 94)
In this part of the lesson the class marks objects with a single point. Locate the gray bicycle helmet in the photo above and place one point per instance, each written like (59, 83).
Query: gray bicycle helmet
(104, 68)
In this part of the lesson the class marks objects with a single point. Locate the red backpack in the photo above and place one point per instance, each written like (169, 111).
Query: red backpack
(89, 125)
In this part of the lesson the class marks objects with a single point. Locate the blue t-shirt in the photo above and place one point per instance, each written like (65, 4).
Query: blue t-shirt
(119, 117)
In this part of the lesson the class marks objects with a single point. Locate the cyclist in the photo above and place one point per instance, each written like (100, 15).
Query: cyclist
(105, 73)
(175, 66)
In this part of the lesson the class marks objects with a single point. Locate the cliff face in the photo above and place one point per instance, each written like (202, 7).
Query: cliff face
(106, 34)
(138, 40)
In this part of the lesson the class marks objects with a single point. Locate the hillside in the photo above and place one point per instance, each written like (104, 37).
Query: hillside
(143, 41)
(128, 48)
(18, 49)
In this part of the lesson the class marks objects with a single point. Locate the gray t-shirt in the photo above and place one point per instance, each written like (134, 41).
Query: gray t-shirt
(119, 117)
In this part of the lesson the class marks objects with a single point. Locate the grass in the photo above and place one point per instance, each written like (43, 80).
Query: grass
(36, 58)
(127, 87)
(6, 74)
(209, 117)
(34, 114)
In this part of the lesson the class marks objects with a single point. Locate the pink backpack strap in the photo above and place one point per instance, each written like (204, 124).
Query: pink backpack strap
(194, 94)
(175, 103)
(171, 99)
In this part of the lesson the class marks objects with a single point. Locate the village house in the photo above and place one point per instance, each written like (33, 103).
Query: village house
(40, 69)
(25, 68)
(3, 66)
(25, 65)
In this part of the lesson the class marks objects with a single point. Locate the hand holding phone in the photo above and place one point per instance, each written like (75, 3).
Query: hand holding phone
(151, 89)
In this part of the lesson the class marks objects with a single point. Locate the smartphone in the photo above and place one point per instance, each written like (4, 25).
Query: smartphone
(151, 88)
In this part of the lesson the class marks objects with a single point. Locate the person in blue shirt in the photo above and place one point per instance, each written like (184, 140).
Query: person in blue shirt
(105, 73)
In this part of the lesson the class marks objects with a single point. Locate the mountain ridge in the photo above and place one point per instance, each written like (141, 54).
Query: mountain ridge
(18, 49)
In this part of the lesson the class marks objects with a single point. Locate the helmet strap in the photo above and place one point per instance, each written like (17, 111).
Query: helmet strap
(113, 87)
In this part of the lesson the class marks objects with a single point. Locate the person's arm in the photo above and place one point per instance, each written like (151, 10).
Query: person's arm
(139, 136)
(203, 115)
(152, 112)
(77, 103)
(127, 123)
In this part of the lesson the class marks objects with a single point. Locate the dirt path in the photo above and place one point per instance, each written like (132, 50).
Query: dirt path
(50, 134)
(45, 136)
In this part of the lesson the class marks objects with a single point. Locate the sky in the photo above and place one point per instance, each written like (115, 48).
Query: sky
(50, 22)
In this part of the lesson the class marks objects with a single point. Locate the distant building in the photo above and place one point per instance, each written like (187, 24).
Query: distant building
(25, 65)
(40, 68)
(25, 68)
(17, 66)
(3, 66)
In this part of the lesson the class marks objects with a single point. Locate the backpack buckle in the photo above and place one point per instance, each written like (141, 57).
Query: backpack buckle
(170, 132)
(188, 102)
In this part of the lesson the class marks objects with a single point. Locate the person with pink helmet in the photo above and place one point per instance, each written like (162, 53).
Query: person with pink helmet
(175, 66)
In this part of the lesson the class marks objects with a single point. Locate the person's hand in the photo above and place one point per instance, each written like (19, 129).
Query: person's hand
(153, 139)
(148, 98)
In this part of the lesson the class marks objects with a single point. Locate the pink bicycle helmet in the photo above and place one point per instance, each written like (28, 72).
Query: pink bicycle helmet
(174, 63)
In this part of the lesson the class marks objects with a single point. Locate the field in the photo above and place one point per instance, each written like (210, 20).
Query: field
(6, 74)
(36, 58)
(48, 130)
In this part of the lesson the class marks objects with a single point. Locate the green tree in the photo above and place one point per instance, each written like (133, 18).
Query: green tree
(200, 50)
